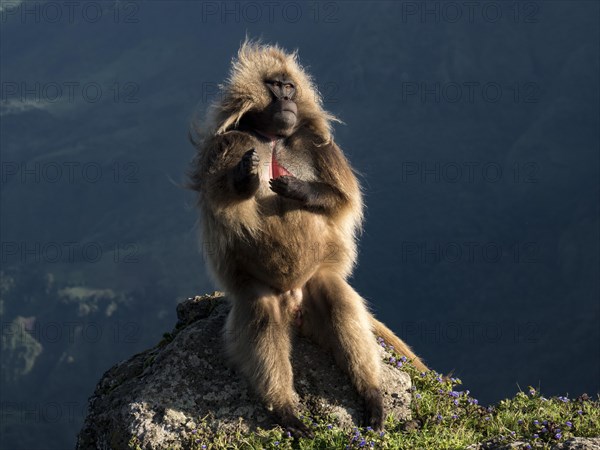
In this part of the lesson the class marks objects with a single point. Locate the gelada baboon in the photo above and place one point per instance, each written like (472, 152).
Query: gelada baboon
(280, 211)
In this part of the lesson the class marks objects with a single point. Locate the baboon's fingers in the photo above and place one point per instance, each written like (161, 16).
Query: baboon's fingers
(293, 424)
(250, 161)
(374, 409)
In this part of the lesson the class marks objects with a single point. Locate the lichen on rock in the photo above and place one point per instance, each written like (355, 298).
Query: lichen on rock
(159, 397)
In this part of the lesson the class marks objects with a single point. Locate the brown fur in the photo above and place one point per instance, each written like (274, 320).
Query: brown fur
(281, 263)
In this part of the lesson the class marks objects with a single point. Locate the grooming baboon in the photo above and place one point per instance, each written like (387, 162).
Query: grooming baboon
(280, 210)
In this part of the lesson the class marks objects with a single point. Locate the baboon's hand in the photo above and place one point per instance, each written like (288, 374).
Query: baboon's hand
(374, 409)
(248, 165)
(245, 176)
(290, 187)
(287, 419)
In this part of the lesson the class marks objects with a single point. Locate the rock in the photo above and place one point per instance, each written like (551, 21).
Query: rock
(579, 444)
(571, 444)
(157, 397)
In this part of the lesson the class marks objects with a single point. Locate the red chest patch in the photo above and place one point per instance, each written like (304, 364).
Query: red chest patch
(276, 170)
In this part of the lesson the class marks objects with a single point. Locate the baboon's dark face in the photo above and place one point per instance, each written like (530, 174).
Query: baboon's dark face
(281, 115)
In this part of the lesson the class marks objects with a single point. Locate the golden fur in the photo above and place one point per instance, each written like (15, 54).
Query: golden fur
(285, 266)
(244, 89)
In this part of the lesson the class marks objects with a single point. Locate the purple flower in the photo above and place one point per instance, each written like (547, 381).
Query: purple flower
(557, 435)
(369, 429)
(535, 422)
(362, 443)
(439, 417)
(569, 424)
(289, 434)
(455, 402)
(197, 441)
(276, 442)
(382, 433)
(527, 447)
(520, 422)
(454, 416)
(545, 422)
(580, 412)
(454, 394)
(531, 391)
(403, 359)
(203, 446)
(563, 399)
(487, 418)
(417, 395)
(194, 431)
(330, 426)
(392, 359)
(544, 430)
(423, 374)
(535, 435)
(439, 379)
(399, 364)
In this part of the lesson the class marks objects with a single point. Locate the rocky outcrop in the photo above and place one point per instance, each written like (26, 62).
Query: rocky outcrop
(577, 443)
(157, 398)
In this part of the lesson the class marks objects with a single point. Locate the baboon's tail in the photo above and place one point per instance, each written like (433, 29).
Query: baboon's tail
(399, 345)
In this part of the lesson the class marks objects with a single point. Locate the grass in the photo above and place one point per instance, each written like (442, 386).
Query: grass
(444, 417)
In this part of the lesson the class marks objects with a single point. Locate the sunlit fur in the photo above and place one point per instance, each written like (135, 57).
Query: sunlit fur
(278, 261)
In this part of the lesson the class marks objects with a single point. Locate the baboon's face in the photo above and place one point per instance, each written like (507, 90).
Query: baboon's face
(281, 115)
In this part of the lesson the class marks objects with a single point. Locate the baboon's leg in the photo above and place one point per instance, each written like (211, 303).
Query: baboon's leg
(336, 317)
(258, 341)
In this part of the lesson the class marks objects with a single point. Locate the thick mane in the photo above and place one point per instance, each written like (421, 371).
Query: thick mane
(244, 90)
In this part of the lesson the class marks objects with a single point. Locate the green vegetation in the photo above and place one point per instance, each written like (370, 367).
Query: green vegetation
(443, 418)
